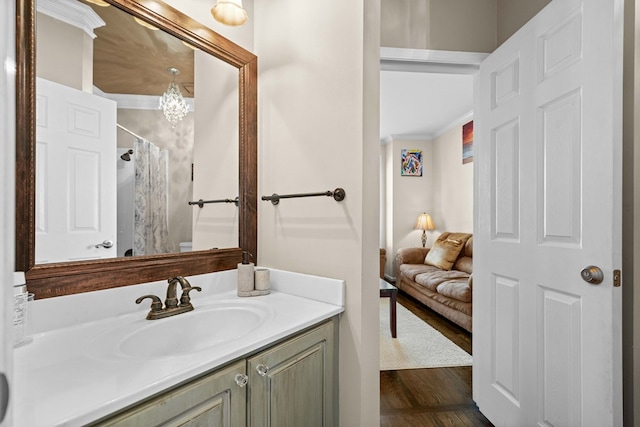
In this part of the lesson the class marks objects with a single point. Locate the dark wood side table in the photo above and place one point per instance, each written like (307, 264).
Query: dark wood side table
(387, 290)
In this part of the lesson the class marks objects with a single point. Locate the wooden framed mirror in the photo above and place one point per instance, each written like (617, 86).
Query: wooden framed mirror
(63, 278)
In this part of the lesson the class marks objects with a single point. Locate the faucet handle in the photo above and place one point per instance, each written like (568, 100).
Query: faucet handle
(156, 304)
(185, 299)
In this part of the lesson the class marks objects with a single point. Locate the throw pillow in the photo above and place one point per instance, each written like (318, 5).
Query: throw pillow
(445, 251)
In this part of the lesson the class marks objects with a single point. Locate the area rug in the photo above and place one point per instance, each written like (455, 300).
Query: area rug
(418, 345)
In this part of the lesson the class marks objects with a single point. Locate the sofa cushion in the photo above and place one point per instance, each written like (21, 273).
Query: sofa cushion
(464, 263)
(446, 249)
(456, 289)
(468, 248)
(410, 271)
(431, 279)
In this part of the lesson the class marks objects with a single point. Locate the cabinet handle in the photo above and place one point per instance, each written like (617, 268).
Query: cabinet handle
(262, 369)
(241, 380)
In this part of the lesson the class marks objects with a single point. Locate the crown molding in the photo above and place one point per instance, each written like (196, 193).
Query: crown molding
(73, 13)
(138, 102)
(411, 137)
(430, 61)
(465, 118)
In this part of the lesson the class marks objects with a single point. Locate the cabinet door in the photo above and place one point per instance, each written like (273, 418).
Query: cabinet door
(212, 401)
(293, 384)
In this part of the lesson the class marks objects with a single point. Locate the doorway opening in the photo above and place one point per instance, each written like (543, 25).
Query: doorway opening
(425, 103)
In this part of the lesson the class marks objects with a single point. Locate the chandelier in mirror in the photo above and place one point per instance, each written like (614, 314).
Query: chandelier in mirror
(172, 103)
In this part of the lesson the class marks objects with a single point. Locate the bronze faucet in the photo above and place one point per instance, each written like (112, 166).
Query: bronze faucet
(171, 306)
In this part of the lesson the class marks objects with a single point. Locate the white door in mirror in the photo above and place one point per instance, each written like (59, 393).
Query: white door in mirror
(75, 174)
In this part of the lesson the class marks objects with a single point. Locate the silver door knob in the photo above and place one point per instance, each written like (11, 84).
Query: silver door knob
(106, 244)
(592, 274)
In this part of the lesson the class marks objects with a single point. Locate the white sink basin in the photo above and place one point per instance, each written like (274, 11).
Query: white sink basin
(186, 333)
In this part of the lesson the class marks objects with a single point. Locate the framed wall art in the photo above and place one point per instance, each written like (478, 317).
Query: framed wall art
(467, 143)
(411, 162)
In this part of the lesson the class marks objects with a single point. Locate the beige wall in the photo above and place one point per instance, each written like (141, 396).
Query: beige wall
(64, 54)
(314, 133)
(151, 125)
(405, 23)
(200, 10)
(318, 119)
(452, 184)
(216, 132)
(459, 25)
(463, 25)
(406, 198)
(513, 14)
(215, 155)
(445, 191)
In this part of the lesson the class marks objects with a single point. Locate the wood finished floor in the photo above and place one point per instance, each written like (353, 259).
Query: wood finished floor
(430, 397)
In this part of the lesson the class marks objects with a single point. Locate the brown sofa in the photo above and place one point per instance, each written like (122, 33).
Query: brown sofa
(447, 292)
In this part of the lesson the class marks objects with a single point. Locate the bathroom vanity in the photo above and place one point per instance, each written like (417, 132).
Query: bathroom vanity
(268, 360)
(94, 358)
(290, 383)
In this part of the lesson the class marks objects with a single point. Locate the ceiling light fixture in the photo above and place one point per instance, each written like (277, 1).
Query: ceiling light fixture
(229, 12)
(100, 3)
(145, 24)
(172, 103)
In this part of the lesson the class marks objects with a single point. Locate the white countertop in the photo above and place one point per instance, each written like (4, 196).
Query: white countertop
(71, 375)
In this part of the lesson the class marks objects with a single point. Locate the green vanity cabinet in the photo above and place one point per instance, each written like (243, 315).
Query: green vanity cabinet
(213, 400)
(292, 383)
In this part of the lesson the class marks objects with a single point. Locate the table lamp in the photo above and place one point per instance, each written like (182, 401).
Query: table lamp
(424, 223)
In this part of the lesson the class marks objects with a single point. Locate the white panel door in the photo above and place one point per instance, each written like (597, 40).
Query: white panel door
(548, 204)
(75, 174)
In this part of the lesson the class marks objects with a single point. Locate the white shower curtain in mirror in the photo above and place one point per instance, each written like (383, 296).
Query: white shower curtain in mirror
(150, 229)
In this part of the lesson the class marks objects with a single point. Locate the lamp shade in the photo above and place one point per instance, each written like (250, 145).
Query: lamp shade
(229, 12)
(424, 222)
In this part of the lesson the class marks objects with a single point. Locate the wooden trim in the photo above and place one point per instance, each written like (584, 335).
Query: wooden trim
(248, 151)
(58, 279)
(74, 277)
(25, 135)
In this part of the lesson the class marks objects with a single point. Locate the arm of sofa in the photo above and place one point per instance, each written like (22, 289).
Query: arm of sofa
(410, 256)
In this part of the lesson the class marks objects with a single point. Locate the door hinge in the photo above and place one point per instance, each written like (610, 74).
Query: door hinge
(616, 278)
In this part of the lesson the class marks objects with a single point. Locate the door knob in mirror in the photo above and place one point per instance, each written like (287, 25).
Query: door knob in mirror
(106, 244)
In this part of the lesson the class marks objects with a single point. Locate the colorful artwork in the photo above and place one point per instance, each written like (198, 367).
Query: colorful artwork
(411, 162)
(467, 143)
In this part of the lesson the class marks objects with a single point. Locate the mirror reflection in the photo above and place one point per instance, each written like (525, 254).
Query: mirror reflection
(115, 166)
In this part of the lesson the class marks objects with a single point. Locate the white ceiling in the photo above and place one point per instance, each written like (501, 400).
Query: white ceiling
(423, 105)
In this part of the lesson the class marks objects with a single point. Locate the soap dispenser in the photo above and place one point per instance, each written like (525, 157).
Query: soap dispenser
(245, 276)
